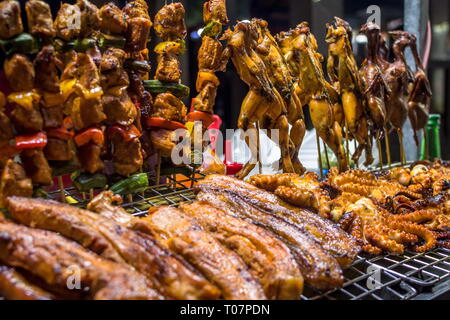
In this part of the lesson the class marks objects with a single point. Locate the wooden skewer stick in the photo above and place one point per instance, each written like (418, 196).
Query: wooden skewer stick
(91, 194)
(347, 138)
(83, 195)
(158, 169)
(258, 149)
(62, 189)
(380, 151)
(327, 158)
(320, 155)
(388, 147)
(356, 161)
(402, 147)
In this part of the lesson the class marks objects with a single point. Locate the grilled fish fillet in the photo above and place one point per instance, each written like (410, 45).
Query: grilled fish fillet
(59, 262)
(169, 275)
(268, 257)
(318, 267)
(13, 286)
(342, 246)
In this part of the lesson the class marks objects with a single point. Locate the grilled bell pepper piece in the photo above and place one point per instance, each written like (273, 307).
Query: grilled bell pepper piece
(136, 65)
(175, 47)
(62, 168)
(84, 182)
(127, 134)
(24, 99)
(134, 184)
(164, 123)
(24, 43)
(79, 45)
(94, 135)
(206, 118)
(32, 141)
(212, 29)
(106, 41)
(157, 87)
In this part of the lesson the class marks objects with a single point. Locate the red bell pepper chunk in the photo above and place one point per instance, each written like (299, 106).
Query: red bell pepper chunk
(32, 141)
(206, 118)
(65, 132)
(94, 135)
(127, 134)
(164, 123)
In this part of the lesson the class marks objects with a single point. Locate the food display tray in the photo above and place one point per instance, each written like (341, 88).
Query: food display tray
(406, 277)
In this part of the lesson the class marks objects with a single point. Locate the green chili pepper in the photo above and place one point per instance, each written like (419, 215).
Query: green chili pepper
(107, 41)
(212, 29)
(24, 43)
(62, 168)
(78, 45)
(84, 182)
(134, 184)
(156, 87)
(141, 66)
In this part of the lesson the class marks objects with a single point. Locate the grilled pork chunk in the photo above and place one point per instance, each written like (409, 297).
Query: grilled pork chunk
(37, 167)
(13, 286)
(169, 107)
(170, 275)
(19, 72)
(112, 20)
(14, 181)
(54, 259)
(267, 257)
(169, 22)
(68, 22)
(139, 25)
(90, 18)
(215, 10)
(10, 19)
(40, 21)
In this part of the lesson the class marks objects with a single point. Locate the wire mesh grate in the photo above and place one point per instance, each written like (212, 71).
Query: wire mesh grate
(368, 278)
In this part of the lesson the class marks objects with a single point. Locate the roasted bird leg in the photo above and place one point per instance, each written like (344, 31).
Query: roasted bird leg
(419, 101)
(263, 103)
(375, 88)
(342, 69)
(399, 77)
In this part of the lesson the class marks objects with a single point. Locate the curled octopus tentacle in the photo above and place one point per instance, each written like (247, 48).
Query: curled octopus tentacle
(381, 240)
(364, 191)
(272, 182)
(420, 231)
(420, 216)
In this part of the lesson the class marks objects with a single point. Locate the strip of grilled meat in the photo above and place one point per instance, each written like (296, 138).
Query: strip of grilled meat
(268, 257)
(10, 19)
(13, 286)
(183, 235)
(328, 235)
(40, 21)
(55, 259)
(169, 275)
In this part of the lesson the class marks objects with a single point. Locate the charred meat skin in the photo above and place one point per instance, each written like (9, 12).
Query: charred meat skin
(13, 286)
(112, 20)
(268, 257)
(52, 258)
(14, 181)
(169, 22)
(40, 21)
(168, 274)
(10, 19)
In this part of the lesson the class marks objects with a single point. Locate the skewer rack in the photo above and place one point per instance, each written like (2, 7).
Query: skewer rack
(388, 277)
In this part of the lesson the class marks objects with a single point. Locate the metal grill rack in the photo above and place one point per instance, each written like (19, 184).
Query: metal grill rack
(390, 277)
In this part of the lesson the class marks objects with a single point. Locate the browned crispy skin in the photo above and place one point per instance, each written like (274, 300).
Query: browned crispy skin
(40, 21)
(14, 181)
(318, 267)
(220, 265)
(328, 235)
(10, 19)
(55, 259)
(268, 257)
(170, 275)
(13, 286)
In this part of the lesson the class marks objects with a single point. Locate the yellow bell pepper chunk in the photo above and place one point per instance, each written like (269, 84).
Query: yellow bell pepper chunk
(24, 99)
(67, 87)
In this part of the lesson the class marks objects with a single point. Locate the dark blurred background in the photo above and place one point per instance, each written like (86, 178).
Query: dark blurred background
(284, 14)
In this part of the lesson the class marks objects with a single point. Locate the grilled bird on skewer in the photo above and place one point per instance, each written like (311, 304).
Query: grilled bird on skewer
(343, 71)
